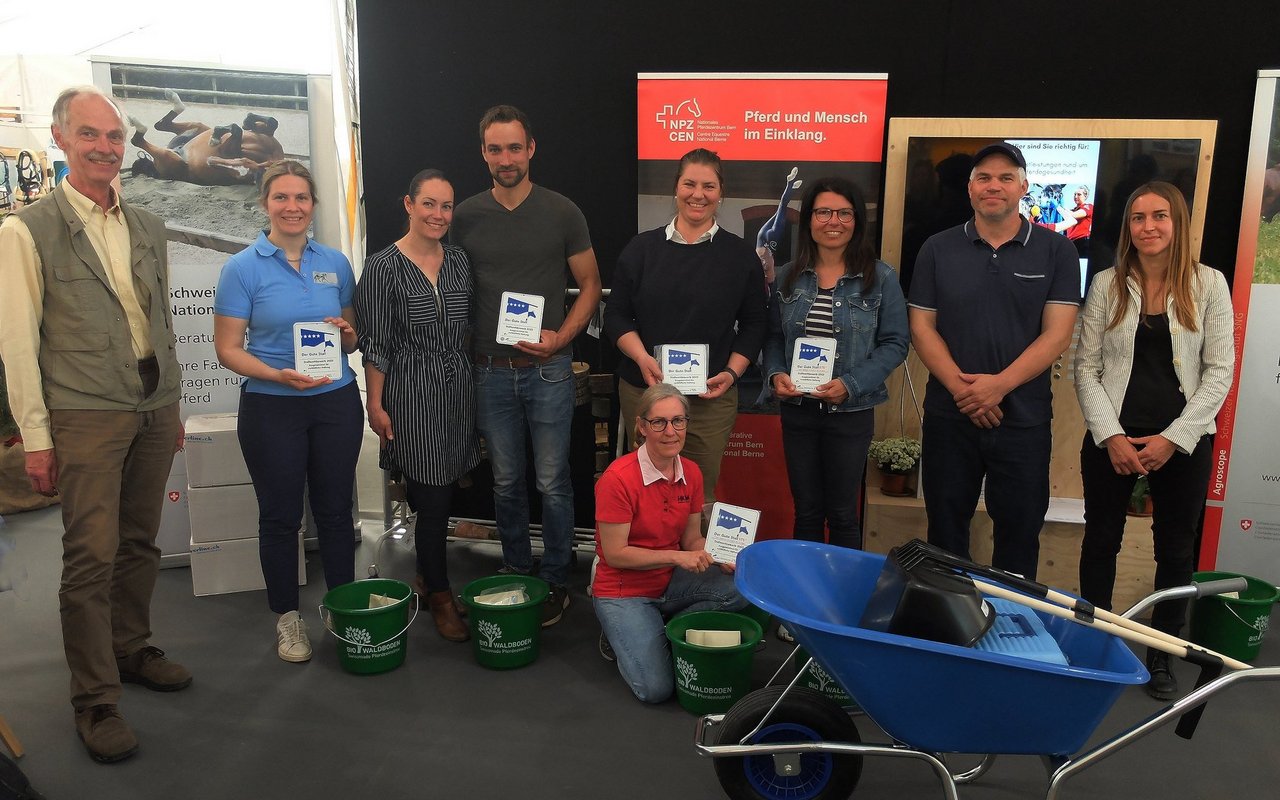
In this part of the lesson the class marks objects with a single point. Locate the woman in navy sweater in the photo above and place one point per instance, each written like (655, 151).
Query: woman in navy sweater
(690, 282)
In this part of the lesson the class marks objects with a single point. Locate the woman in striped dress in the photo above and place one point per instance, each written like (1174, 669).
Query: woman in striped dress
(412, 306)
(835, 290)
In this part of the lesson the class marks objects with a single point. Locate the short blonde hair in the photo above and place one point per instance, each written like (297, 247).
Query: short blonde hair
(651, 397)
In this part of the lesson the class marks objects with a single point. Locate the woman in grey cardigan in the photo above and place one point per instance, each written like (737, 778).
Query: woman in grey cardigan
(1153, 367)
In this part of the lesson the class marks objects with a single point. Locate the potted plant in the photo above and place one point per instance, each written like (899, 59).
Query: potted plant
(896, 458)
(1140, 498)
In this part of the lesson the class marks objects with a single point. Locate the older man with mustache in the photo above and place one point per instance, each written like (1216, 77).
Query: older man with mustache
(88, 347)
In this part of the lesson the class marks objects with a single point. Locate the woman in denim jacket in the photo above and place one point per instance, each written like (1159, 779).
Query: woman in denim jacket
(834, 289)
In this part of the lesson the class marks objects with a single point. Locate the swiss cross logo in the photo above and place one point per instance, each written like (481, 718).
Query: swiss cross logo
(1246, 524)
(173, 496)
(667, 116)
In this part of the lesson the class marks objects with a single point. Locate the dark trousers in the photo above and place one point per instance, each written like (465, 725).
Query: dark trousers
(1015, 461)
(1177, 496)
(826, 455)
(291, 443)
(430, 531)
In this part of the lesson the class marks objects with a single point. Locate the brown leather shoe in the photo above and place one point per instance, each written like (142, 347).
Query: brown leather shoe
(105, 734)
(151, 669)
(420, 589)
(448, 623)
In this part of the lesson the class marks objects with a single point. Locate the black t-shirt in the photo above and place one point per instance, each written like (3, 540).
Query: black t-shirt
(1153, 399)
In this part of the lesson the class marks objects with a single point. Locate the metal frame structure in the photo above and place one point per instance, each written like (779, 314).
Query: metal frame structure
(1058, 768)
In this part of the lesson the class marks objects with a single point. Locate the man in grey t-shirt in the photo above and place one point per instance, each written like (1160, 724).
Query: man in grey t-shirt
(520, 238)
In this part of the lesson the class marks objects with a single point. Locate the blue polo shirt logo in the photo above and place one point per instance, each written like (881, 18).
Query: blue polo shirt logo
(520, 307)
(312, 338)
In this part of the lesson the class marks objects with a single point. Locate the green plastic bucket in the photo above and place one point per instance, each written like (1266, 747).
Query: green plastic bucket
(758, 614)
(819, 680)
(505, 637)
(370, 640)
(709, 680)
(1232, 626)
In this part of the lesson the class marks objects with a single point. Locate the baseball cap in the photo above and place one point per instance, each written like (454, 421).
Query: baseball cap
(1004, 149)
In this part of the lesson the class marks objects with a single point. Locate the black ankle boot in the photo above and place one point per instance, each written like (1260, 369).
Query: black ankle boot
(1162, 686)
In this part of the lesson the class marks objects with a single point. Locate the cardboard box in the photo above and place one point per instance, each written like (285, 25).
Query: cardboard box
(213, 451)
(232, 566)
(221, 513)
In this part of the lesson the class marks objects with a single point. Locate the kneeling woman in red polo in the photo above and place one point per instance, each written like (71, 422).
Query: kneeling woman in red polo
(649, 540)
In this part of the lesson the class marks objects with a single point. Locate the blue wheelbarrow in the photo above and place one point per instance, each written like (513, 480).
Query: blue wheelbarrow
(930, 698)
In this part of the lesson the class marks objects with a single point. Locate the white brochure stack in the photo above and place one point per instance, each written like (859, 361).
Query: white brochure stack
(224, 510)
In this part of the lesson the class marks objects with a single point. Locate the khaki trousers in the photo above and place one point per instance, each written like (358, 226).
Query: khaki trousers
(112, 470)
(710, 423)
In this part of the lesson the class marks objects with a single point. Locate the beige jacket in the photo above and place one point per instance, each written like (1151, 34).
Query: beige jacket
(1203, 359)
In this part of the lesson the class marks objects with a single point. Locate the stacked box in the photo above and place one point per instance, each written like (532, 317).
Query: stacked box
(223, 510)
(232, 566)
(213, 452)
(221, 513)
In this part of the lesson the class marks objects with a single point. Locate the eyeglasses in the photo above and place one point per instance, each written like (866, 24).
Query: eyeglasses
(659, 424)
(824, 214)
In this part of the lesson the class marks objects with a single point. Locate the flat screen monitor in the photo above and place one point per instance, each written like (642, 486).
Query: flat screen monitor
(1079, 174)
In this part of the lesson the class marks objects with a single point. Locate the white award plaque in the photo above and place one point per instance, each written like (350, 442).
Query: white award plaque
(520, 318)
(684, 366)
(317, 350)
(812, 362)
(731, 529)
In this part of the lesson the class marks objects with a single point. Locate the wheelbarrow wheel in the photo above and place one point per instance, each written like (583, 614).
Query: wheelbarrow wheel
(804, 715)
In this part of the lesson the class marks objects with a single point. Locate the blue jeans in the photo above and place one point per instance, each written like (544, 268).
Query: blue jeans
(636, 626)
(538, 400)
(1015, 461)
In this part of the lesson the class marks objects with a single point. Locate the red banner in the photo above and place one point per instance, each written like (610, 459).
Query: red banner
(800, 118)
(754, 474)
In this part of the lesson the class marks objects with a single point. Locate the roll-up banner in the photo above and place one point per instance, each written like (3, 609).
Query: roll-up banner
(1242, 519)
(773, 132)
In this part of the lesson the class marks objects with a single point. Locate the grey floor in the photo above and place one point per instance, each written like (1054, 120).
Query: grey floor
(441, 726)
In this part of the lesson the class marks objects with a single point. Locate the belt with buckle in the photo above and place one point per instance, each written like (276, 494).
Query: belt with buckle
(506, 362)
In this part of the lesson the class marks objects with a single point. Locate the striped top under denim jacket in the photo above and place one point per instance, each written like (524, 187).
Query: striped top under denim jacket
(870, 331)
(1203, 359)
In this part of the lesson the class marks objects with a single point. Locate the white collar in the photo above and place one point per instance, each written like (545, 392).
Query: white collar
(674, 235)
(651, 474)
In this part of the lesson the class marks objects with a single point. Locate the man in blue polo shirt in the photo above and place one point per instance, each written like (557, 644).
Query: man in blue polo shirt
(993, 304)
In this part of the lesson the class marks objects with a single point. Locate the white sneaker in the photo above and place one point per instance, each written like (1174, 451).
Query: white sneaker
(291, 632)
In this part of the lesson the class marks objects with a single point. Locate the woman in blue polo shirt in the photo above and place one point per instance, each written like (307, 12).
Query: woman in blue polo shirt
(295, 431)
